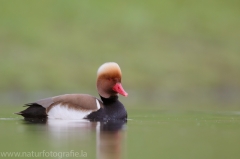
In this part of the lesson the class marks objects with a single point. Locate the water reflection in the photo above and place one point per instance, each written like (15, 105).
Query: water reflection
(109, 135)
(110, 140)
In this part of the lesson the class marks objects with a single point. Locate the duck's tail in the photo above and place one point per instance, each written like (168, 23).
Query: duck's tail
(34, 110)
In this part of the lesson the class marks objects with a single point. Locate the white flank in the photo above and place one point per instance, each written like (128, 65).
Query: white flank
(63, 112)
(98, 104)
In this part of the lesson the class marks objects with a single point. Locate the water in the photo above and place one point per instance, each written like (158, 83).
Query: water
(147, 134)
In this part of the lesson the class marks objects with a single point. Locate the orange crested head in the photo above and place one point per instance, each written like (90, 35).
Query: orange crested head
(109, 77)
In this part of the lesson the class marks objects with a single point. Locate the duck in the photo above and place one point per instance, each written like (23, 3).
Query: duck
(85, 106)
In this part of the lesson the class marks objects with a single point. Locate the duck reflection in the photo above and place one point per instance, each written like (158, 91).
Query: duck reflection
(110, 140)
(109, 134)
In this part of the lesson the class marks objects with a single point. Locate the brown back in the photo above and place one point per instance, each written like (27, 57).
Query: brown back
(75, 101)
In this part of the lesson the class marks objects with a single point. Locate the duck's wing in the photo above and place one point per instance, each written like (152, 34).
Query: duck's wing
(73, 101)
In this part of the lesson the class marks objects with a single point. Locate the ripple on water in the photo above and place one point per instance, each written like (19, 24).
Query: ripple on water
(9, 118)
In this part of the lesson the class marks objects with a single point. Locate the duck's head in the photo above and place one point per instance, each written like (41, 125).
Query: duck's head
(109, 80)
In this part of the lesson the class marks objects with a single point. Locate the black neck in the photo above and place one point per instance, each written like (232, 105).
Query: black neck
(109, 100)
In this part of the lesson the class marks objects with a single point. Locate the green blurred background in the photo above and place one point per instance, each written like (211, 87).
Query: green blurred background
(173, 54)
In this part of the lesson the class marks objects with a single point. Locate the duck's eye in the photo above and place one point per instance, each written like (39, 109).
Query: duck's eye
(113, 79)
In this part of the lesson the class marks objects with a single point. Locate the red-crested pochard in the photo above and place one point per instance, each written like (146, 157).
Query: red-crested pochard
(84, 106)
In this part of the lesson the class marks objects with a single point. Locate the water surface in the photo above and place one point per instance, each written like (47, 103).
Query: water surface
(147, 134)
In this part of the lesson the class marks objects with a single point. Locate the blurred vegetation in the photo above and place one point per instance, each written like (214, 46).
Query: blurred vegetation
(171, 52)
